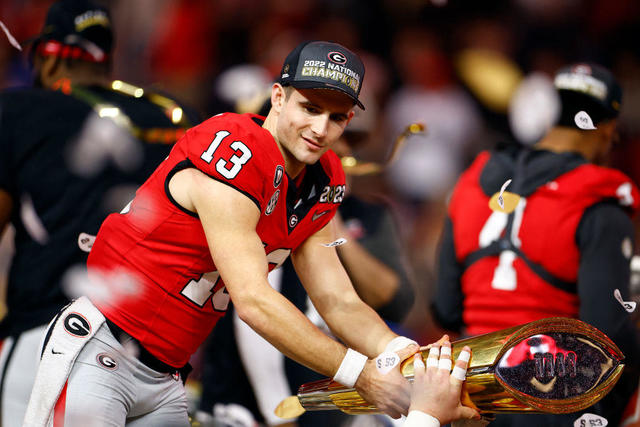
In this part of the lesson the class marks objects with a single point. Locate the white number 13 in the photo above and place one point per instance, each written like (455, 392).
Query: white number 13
(221, 164)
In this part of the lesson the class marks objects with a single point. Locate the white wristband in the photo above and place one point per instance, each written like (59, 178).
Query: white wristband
(350, 368)
(398, 343)
(421, 419)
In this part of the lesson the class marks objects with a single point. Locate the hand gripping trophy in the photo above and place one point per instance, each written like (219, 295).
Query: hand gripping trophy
(555, 365)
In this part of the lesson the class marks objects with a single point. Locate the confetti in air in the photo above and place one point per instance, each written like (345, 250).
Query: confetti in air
(500, 198)
(583, 121)
(386, 361)
(504, 201)
(32, 222)
(12, 40)
(106, 287)
(630, 306)
(340, 241)
(590, 420)
(85, 242)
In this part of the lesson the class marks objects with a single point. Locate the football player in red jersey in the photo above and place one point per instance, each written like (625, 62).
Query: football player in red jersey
(235, 197)
(564, 249)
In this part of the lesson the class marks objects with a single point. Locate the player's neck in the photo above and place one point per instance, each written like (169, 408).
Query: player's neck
(561, 139)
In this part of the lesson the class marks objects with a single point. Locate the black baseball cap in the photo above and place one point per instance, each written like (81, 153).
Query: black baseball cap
(324, 65)
(588, 88)
(78, 23)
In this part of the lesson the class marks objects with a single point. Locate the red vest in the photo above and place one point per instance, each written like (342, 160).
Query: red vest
(503, 291)
(177, 295)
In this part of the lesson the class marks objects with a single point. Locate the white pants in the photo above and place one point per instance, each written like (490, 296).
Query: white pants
(107, 386)
(19, 359)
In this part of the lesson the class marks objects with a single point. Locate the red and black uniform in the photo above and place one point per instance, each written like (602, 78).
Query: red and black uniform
(163, 248)
(562, 252)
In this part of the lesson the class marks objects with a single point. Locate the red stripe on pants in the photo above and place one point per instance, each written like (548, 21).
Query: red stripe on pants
(58, 410)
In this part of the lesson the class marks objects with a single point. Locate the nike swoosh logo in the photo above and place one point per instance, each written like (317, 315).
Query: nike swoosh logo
(56, 352)
(317, 215)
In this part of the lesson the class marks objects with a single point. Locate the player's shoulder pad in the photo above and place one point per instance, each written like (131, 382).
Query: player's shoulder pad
(237, 150)
(603, 182)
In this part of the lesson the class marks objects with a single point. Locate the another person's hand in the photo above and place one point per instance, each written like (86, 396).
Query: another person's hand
(390, 392)
(436, 390)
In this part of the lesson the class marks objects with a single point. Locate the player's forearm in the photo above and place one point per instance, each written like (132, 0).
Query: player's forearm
(358, 326)
(273, 317)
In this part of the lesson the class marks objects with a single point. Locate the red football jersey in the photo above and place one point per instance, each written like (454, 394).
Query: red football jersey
(180, 295)
(502, 291)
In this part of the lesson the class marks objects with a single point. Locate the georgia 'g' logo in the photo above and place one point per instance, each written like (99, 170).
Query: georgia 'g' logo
(293, 221)
(337, 57)
(76, 325)
(107, 361)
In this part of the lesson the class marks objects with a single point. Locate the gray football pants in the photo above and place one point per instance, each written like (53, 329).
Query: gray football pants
(19, 359)
(108, 387)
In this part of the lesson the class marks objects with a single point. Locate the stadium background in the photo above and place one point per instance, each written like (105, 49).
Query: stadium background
(454, 65)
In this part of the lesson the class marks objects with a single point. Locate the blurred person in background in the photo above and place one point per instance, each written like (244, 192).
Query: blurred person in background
(375, 262)
(427, 167)
(566, 246)
(72, 150)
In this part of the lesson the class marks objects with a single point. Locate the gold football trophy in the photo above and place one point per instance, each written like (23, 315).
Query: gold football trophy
(556, 365)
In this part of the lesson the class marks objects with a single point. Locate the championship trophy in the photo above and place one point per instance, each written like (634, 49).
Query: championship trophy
(555, 365)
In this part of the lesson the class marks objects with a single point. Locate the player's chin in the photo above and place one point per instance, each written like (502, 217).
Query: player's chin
(309, 157)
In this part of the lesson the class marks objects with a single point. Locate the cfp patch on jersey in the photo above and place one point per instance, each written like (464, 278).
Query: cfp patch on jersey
(76, 325)
(107, 362)
(277, 177)
(272, 202)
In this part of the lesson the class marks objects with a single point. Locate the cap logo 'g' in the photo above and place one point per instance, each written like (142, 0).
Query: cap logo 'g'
(337, 57)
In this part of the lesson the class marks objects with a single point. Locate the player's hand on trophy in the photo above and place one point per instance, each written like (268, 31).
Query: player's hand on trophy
(387, 389)
(436, 389)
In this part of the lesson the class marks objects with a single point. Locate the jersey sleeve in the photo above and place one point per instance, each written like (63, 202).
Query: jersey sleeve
(224, 151)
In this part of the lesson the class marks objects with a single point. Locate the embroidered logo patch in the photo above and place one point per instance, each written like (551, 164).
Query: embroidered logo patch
(77, 325)
(277, 178)
(272, 203)
(107, 361)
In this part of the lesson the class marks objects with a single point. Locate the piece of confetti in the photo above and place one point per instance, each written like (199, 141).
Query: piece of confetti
(85, 241)
(630, 306)
(500, 198)
(590, 420)
(340, 241)
(12, 39)
(386, 361)
(583, 121)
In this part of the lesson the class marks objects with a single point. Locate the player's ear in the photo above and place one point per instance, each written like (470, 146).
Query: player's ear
(49, 69)
(278, 97)
(350, 115)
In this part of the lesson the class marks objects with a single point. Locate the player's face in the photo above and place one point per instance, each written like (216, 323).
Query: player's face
(310, 122)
